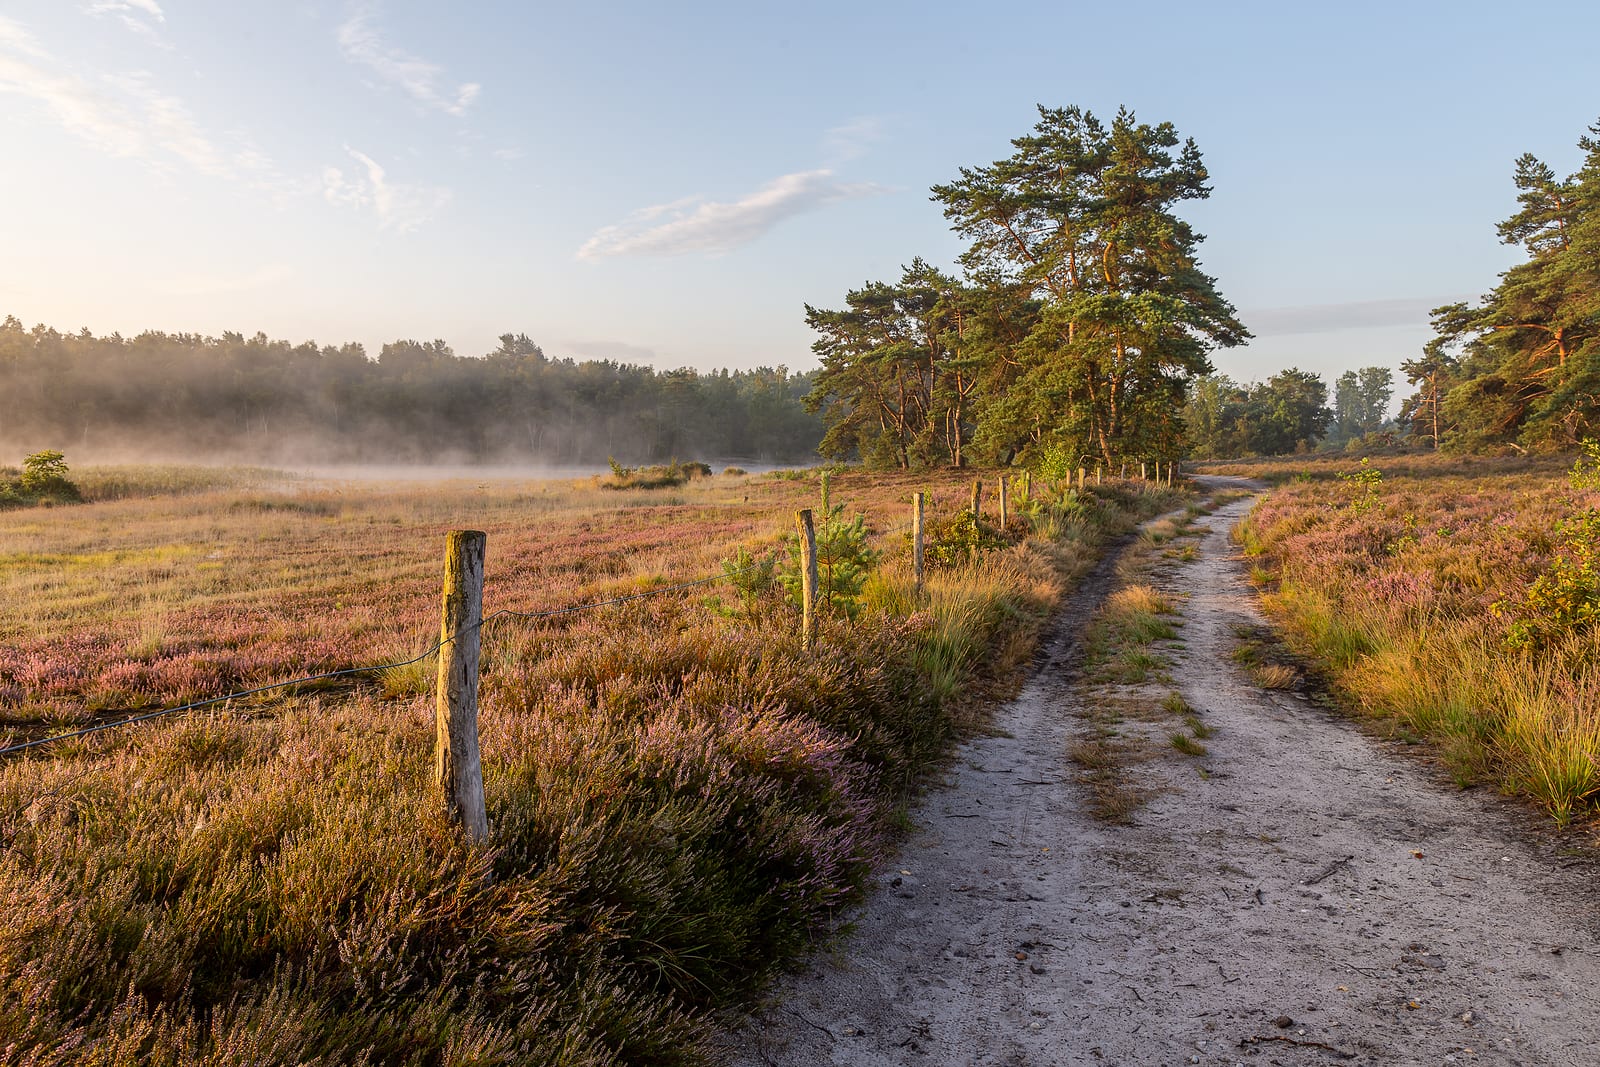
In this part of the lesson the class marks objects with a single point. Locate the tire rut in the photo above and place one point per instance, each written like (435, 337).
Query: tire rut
(1297, 895)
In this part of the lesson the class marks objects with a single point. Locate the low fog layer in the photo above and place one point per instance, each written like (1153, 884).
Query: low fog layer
(234, 399)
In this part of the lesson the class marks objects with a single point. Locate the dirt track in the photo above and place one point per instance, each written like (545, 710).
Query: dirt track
(1302, 894)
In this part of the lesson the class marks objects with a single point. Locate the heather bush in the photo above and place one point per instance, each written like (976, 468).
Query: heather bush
(1461, 610)
(679, 800)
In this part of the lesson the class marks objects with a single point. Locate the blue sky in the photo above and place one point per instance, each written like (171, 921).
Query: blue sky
(671, 183)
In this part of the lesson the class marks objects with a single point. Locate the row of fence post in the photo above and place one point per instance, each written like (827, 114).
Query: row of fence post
(458, 765)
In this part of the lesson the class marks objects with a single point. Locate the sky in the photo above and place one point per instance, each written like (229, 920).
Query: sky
(671, 183)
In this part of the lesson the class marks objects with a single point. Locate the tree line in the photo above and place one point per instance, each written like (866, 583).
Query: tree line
(255, 399)
(1520, 368)
(1080, 317)
(1082, 323)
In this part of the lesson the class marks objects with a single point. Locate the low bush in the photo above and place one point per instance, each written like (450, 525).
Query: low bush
(1456, 600)
(679, 801)
(42, 480)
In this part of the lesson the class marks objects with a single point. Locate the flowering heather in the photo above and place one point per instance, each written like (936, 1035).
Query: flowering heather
(1413, 607)
(679, 796)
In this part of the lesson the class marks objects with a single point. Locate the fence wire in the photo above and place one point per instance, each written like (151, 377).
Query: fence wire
(344, 672)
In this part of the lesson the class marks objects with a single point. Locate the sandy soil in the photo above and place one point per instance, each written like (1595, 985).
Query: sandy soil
(1301, 894)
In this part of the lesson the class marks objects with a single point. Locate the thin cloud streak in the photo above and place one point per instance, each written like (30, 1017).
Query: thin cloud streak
(852, 139)
(119, 7)
(362, 44)
(713, 228)
(1333, 318)
(140, 16)
(122, 115)
(400, 207)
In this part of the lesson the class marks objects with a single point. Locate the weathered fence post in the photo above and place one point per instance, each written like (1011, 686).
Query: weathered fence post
(1027, 485)
(916, 538)
(458, 769)
(1080, 479)
(808, 577)
(1003, 512)
(977, 498)
(1097, 476)
(1142, 476)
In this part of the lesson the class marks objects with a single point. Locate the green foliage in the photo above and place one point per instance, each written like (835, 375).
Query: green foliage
(752, 576)
(960, 539)
(1286, 413)
(1566, 597)
(1518, 369)
(1054, 463)
(43, 481)
(1367, 481)
(661, 476)
(260, 400)
(42, 470)
(1361, 402)
(844, 559)
(1083, 312)
(1585, 473)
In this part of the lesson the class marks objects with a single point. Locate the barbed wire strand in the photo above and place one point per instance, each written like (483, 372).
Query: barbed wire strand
(344, 672)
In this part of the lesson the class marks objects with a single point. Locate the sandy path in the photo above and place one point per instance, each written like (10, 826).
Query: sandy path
(1276, 879)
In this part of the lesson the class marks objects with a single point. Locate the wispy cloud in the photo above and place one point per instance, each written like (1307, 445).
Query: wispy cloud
(852, 139)
(141, 16)
(399, 207)
(1332, 318)
(15, 39)
(360, 42)
(711, 227)
(127, 7)
(123, 115)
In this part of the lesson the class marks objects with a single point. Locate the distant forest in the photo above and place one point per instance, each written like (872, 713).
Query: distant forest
(258, 400)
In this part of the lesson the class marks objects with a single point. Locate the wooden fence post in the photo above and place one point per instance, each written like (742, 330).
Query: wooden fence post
(916, 538)
(1027, 485)
(1080, 479)
(808, 578)
(458, 769)
(977, 498)
(1003, 512)
(1097, 476)
(1142, 476)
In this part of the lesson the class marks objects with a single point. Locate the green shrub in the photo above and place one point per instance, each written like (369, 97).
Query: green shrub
(43, 481)
(959, 539)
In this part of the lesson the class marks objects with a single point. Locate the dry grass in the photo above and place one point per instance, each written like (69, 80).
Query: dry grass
(1275, 676)
(1406, 601)
(679, 797)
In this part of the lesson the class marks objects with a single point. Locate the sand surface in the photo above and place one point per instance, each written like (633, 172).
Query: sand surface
(1301, 894)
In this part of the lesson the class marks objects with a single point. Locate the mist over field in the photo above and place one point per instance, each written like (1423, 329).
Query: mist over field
(231, 399)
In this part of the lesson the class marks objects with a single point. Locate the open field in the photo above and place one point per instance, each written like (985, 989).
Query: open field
(1451, 598)
(679, 798)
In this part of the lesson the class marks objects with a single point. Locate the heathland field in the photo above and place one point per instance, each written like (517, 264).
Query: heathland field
(1452, 598)
(679, 795)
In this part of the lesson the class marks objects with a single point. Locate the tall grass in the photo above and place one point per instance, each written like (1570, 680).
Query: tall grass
(1398, 601)
(680, 798)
